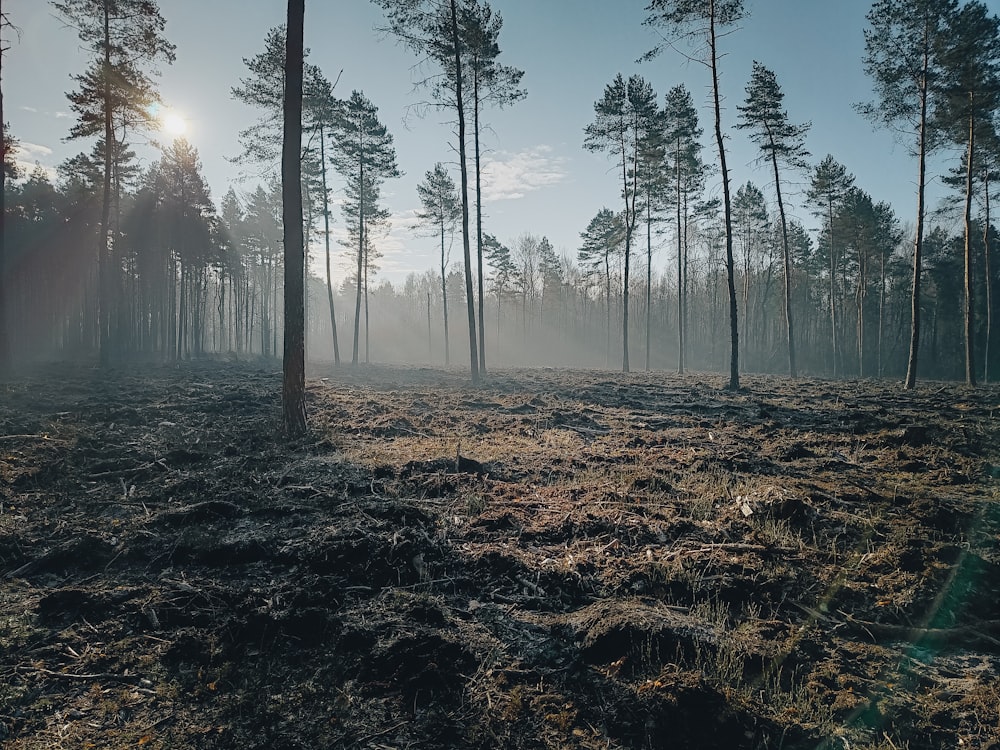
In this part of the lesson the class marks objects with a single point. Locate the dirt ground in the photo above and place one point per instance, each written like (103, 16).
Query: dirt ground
(556, 559)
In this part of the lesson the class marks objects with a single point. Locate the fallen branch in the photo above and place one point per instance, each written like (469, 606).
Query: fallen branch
(106, 676)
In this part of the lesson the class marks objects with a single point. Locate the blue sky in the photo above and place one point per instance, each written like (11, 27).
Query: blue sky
(540, 180)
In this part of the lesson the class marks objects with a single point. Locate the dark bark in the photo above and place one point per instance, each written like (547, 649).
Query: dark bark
(293, 391)
(734, 325)
(918, 242)
(787, 265)
(467, 252)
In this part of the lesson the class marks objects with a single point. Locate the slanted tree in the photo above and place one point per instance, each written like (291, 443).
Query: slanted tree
(702, 22)
(294, 365)
(969, 101)
(829, 186)
(625, 120)
(363, 153)
(441, 212)
(782, 142)
(901, 56)
(116, 91)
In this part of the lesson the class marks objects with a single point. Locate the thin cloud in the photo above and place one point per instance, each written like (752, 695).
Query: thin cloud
(509, 176)
(29, 150)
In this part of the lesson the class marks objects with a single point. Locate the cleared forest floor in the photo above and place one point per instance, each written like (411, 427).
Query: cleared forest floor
(642, 561)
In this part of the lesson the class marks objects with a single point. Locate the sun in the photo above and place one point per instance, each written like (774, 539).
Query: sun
(173, 123)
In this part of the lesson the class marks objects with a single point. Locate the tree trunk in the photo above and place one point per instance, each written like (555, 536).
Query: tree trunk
(5, 349)
(987, 253)
(833, 293)
(103, 234)
(361, 255)
(649, 273)
(466, 250)
(787, 263)
(444, 299)
(918, 243)
(326, 232)
(734, 325)
(680, 265)
(969, 312)
(367, 337)
(293, 385)
(479, 229)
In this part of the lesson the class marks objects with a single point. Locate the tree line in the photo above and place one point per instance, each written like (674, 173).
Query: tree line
(125, 260)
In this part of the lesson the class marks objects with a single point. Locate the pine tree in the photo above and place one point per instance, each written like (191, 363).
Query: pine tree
(702, 22)
(492, 83)
(780, 142)
(363, 153)
(431, 28)
(901, 57)
(830, 184)
(625, 119)
(504, 271)
(441, 212)
(127, 39)
(970, 60)
(682, 143)
(602, 241)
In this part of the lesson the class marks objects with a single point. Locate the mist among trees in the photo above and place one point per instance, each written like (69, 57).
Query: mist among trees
(119, 259)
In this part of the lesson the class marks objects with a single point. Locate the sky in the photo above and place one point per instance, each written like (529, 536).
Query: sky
(538, 177)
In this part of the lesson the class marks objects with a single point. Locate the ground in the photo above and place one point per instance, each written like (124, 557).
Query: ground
(554, 559)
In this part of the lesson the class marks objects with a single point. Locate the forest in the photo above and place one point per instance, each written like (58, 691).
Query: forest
(656, 281)
(713, 478)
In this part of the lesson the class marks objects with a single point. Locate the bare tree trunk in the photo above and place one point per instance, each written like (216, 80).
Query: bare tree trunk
(467, 253)
(680, 267)
(104, 304)
(833, 294)
(787, 263)
(918, 243)
(5, 349)
(326, 232)
(293, 383)
(444, 299)
(361, 254)
(969, 312)
(479, 229)
(987, 253)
